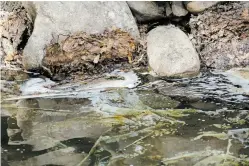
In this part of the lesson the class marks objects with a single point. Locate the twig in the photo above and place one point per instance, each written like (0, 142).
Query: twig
(48, 70)
(139, 140)
(140, 59)
(93, 148)
(91, 151)
(43, 109)
(228, 148)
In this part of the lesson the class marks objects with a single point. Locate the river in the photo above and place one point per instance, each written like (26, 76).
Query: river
(127, 119)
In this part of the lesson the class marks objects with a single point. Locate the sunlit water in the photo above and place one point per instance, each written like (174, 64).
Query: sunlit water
(137, 120)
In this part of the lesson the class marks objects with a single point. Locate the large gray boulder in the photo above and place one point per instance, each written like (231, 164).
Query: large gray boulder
(53, 20)
(171, 53)
(145, 10)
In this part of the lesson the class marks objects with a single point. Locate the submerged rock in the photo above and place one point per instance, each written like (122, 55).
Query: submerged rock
(55, 20)
(157, 101)
(56, 157)
(171, 53)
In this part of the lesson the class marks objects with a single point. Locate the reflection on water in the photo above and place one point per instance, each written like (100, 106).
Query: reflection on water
(147, 125)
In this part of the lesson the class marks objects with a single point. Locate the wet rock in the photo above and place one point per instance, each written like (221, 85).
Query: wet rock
(240, 135)
(178, 9)
(199, 6)
(171, 53)
(145, 10)
(36, 86)
(220, 35)
(240, 78)
(52, 22)
(216, 87)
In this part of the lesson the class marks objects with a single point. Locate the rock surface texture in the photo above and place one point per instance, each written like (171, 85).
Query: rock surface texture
(10, 6)
(145, 10)
(55, 20)
(15, 27)
(221, 35)
(171, 53)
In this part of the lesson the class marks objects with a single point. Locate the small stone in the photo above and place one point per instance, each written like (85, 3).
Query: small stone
(168, 9)
(199, 6)
(171, 53)
(178, 9)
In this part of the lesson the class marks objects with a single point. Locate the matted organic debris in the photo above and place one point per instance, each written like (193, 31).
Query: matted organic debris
(84, 52)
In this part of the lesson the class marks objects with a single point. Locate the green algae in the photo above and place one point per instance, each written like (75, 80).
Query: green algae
(175, 113)
(222, 126)
(236, 120)
(190, 155)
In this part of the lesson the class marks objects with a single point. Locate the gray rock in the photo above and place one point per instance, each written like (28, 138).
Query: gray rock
(168, 9)
(30, 8)
(54, 19)
(199, 6)
(178, 9)
(145, 10)
(171, 53)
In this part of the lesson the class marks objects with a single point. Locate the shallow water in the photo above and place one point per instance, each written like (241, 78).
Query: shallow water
(135, 121)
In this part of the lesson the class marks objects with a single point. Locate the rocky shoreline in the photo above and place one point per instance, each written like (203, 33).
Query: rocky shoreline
(155, 41)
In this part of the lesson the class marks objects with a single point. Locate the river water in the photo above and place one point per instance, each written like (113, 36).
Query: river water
(127, 119)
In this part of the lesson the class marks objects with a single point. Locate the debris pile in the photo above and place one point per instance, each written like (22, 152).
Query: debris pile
(82, 51)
